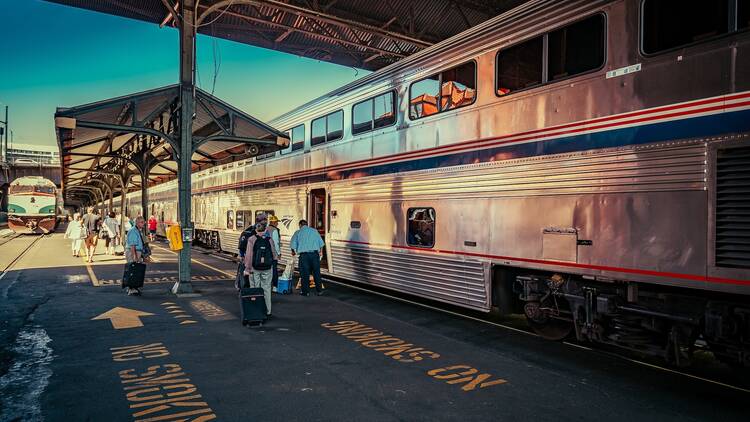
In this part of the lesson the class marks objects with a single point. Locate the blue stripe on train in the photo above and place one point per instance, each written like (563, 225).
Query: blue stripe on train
(696, 127)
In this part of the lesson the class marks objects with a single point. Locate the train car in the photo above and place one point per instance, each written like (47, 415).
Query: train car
(33, 205)
(584, 163)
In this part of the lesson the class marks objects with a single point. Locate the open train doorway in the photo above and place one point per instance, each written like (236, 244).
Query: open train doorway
(316, 218)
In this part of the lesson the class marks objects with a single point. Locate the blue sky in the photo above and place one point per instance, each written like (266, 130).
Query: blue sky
(52, 55)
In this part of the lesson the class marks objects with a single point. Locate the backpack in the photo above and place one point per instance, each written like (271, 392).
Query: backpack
(262, 254)
(244, 236)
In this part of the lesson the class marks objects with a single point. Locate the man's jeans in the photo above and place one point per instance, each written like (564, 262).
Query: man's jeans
(309, 263)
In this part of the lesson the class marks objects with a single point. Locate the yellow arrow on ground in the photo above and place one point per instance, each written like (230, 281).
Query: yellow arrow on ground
(123, 317)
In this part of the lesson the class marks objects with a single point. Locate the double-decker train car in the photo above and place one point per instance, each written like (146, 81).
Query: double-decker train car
(33, 205)
(585, 163)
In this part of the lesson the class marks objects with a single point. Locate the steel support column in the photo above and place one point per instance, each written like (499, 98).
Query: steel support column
(187, 100)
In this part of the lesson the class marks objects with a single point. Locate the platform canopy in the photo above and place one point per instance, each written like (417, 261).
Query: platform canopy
(360, 33)
(138, 134)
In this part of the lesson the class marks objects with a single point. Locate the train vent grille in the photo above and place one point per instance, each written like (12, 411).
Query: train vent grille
(733, 208)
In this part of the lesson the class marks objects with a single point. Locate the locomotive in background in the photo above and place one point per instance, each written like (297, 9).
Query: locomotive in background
(33, 205)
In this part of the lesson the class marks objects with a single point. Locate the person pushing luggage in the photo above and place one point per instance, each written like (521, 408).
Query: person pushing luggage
(259, 257)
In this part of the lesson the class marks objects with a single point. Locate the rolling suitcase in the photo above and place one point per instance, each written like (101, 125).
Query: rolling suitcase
(134, 275)
(252, 306)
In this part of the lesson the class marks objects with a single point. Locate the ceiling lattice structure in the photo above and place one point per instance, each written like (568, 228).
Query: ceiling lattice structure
(360, 33)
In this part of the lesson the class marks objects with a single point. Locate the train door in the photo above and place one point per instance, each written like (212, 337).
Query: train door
(317, 218)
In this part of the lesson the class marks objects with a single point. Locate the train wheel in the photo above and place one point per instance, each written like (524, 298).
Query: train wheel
(546, 325)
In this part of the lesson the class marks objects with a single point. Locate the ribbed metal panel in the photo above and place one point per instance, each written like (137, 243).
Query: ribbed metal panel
(437, 277)
(637, 169)
(733, 208)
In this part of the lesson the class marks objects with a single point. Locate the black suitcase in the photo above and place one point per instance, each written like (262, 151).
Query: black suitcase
(134, 275)
(252, 306)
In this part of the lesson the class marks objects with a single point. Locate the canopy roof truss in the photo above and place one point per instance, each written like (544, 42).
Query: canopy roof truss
(360, 33)
(135, 139)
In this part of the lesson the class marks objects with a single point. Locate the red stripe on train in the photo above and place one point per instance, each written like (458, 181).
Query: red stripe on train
(693, 277)
(504, 139)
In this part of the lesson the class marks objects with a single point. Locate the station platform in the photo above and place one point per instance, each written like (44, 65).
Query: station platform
(76, 347)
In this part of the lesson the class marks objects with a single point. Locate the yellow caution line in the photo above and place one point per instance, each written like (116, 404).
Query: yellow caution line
(92, 276)
(211, 267)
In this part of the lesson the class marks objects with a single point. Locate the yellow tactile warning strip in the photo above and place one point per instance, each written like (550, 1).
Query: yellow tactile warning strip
(178, 313)
(468, 377)
(158, 392)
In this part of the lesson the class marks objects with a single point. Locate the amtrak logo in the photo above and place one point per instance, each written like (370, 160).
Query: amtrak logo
(286, 221)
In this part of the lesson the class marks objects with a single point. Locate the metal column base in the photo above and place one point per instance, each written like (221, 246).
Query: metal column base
(182, 288)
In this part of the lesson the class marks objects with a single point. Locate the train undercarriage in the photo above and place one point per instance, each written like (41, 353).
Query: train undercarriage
(648, 320)
(207, 238)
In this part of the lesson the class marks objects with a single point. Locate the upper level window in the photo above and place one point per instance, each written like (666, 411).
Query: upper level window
(296, 140)
(571, 50)
(669, 24)
(421, 227)
(447, 90)
(743, 14)
(520, 67)
(262, 157)
(327, 128)
(374, 113)
(576, 48)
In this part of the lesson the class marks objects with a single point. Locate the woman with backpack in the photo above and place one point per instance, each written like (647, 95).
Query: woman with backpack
(259, 257)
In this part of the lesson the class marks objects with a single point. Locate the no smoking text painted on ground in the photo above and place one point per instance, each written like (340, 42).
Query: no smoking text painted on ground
(467, 376)
(159, 391)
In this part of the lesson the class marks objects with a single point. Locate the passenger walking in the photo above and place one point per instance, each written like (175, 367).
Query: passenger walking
(246, 234)
(309, 245)
(76, 232)
(259, 257)
(91, 222)
(136, 249)
(152, 223)
(112, 226)
(273, 231)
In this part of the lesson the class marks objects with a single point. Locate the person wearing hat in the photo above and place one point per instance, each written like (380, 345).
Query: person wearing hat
(273, 232)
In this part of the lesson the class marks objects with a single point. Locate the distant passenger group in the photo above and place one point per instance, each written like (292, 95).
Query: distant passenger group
(260, 248)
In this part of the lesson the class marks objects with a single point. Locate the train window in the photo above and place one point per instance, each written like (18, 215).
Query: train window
(421, 226)
(296, 140)
(423, 97)
(668, 24)
(230, 219)
(373, 113)
(571, 50)
(240, 220)
(743, 14)
(576, 48)
(447, 90)
(262, 157)
(520, 67)
(327, 128)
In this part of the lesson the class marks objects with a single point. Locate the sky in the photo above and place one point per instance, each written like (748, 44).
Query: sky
(59, 56)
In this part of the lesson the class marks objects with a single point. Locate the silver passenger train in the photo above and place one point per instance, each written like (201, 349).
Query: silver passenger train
(586, 163)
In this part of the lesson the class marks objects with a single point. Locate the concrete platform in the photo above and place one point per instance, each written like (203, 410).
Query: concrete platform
(70, 352)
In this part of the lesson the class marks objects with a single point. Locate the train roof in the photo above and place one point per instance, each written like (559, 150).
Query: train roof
(32, 180)
(489, 31)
